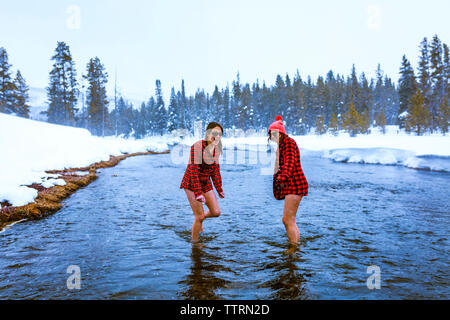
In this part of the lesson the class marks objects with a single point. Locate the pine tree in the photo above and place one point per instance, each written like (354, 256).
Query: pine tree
(173, 112)
(320, 98)
(443, 117)
(381, 121)
(160, 116)
(217, 113)
(97, 102)
(245, 113)
(334, 124)
(21, 96)
(351, 120)
(62, 91)
(182, 106)
(320, 125)
(446, 68)
(226, 107)
(391, 101)
(151, 113)
(378, 94)
(353, 90)
(235, 100)
(140, 117)
(366, 98)
(418, 119)
(279, 98)
(6, 84)
(437, 79)
(364, 121)
(407, 88)
(424, 71)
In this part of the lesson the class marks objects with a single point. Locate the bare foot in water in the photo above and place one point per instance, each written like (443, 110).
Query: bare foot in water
(293, 248)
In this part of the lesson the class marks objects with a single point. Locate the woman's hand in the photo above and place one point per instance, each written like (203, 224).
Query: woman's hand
(201, 198)
(221, 195)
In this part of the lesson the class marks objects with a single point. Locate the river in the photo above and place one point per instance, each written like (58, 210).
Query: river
(129, 233)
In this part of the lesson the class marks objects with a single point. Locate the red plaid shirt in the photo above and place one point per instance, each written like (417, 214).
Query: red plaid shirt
(289, 177)
(201, 167)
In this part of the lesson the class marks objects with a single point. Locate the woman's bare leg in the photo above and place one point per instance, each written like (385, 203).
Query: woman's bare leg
(291, 203)
(212, 204)
(199, 215)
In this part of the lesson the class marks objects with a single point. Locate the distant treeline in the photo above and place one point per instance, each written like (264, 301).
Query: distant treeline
(419, 103)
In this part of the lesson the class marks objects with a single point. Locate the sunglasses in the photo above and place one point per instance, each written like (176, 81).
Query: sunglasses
(216, 134)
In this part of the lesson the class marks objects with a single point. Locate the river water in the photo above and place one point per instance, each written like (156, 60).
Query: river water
(129, 233)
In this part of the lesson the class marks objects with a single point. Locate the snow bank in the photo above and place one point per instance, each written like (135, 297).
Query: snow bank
(28, 148)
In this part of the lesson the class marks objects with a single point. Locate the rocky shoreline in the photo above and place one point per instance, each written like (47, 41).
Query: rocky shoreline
(49, 200)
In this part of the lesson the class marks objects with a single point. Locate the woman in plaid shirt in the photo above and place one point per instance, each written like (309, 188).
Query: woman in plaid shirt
(202, 167)
(289, 181)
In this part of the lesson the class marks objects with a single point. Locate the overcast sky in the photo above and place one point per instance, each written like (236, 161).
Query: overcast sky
(208, 42)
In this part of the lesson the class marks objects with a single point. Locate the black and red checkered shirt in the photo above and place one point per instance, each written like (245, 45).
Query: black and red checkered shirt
(289, 177)
(202, 167)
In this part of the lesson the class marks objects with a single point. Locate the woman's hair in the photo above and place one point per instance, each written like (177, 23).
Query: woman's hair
(280, 139)
(209, 128)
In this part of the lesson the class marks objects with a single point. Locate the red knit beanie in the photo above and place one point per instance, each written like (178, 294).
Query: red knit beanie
(278, 125)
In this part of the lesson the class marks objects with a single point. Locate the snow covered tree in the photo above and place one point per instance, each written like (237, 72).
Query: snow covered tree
(217, 112)
(21, 96)
(244, 112)
(160, 116)
(182, 106)
(97, 101)
(407, 88)
(140, 126)
(391, 101)
(173, 114)
(226, 108)
(62, 91)
(437, 78)
(424, 71)
(6, 84)
(235, 100)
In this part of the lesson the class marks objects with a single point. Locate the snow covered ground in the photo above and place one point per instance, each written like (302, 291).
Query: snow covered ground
(28, 148)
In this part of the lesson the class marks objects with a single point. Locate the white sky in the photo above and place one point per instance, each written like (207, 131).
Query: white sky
(208, 42)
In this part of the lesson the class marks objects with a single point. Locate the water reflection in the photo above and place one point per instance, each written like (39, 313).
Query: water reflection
(203, 280)
(289, 281)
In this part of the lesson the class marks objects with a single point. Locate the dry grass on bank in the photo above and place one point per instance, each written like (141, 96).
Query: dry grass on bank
(49, 200)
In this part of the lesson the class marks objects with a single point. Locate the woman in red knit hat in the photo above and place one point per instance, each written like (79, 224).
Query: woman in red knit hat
(204, 165)
(289, 181)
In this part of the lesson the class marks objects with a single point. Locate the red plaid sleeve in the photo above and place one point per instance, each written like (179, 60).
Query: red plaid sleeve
(217, 178)
(288, 164)
(194, 164)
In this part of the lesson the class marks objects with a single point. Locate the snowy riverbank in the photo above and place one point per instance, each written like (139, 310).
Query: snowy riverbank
(29, 148)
